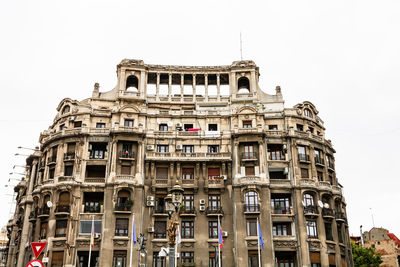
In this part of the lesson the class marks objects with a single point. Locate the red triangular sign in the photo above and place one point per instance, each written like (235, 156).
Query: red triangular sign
(37, 248)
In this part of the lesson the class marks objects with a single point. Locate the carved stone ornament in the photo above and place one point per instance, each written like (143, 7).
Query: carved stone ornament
(331, 247)
(285, 244)
(120, 243)
(59, 243)
(187, 244)
(314, 245)
(252, 243)
(298, 111)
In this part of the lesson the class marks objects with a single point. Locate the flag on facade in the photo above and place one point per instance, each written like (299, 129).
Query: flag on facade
(134, 230)
(260, 239)
(220, 239)
(92, 235)
(178, 235)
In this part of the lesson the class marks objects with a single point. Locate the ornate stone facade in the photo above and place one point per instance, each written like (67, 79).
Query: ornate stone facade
(236, 151)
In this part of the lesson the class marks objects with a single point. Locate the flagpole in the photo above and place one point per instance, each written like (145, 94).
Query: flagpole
(133, 230)
(258, 243)
(219, 245)
(90, 242)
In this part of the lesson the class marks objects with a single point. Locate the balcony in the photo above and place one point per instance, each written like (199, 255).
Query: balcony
(307, 183)
(33, 215)
(249, 156)
(214, 211)
(276, 156)
(69, 156)
(214, 183)
(159, 211)
(331, 166)
(62, 210)
(44, 212)
(328, 213)
(311, 211)
(123, 207)
(188, 211)
(304, 158)
(240, 131)
(161, 181)
(195, 156)
(251, 208)
(340, 217)
(281, 210)
(92, 208)
(126, 155)
(319, 161)
(188, 264)
(95, 179)
(51, 160)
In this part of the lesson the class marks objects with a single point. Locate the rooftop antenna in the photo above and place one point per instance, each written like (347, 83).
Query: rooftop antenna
(372, 216)
(241, 52)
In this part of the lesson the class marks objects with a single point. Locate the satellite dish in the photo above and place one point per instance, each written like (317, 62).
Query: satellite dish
(320, 204)
(303, 202)
(170, 124)
(49, 204)
(326, 205)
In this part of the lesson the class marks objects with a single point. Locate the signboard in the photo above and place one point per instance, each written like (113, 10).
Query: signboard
(35, 263)
(37, 248)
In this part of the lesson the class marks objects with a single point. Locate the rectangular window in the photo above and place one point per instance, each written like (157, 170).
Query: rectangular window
(163, 127)
(187, 257)
(128, 123)
(162, 148)
(339, 232)
(95, 171)
(77, 124)
(277, 175)
(247, 124)
(304, 173)
(213, 229)
(273, 127)
(318, 157)
(93, 201)
(43, 230)
(280, 204)
(249, 152)
(61, 228)
(214, 202)
(213, 149)
(57, 259)
(212, 259)
(253, 258)
(282, 229)
(188, 149)
(299, 127)
(158, 261)
(213, 173)
(315, 259)
(328, 231)
(320, 176)
(187, 174)
(97, 150)
(121, 227)
(160, 229)
(251, 227)
(187, 229)
(311, 129)
(249, 171)
(86, 227)
(119, 259)
(62, 127)
(51, 173)
(68, 170)
(188, 202)
(162, 173)
(213, 127)
(276, 152)
(312, 229)
(100, 125)
(188, 126)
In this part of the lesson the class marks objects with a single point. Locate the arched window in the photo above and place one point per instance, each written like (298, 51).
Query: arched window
(308, 113)
(63, 200)
(243, 85)
(123, 196)
(132, 83)
(308, 200)
(66, 109)
(251, 199)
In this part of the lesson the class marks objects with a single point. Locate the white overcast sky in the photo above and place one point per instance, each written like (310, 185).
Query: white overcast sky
(343, 55)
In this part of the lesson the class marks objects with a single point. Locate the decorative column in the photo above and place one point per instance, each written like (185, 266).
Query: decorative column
(194, 87)
(169, 85)
(139, 157)
(206, 86)
(158, 87)
(218, 89)
(182, 85)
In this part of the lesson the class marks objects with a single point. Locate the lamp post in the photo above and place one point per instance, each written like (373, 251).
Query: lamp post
(172, 203)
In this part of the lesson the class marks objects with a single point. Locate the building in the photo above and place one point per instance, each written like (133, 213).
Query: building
(386, 244)
(236, 151)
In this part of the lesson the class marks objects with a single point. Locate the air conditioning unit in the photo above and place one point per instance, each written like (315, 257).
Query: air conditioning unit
(224, 177)
(286, 170)
(179, 125)
(150, 201)
(72, 118)
(150, 147)
(202, 201)
(224, 234)
(150, 198)
(202, 208)
(97, 235)
(150, 229)
(178, 147)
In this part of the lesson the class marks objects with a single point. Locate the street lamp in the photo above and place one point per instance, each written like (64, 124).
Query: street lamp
(172, 203)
